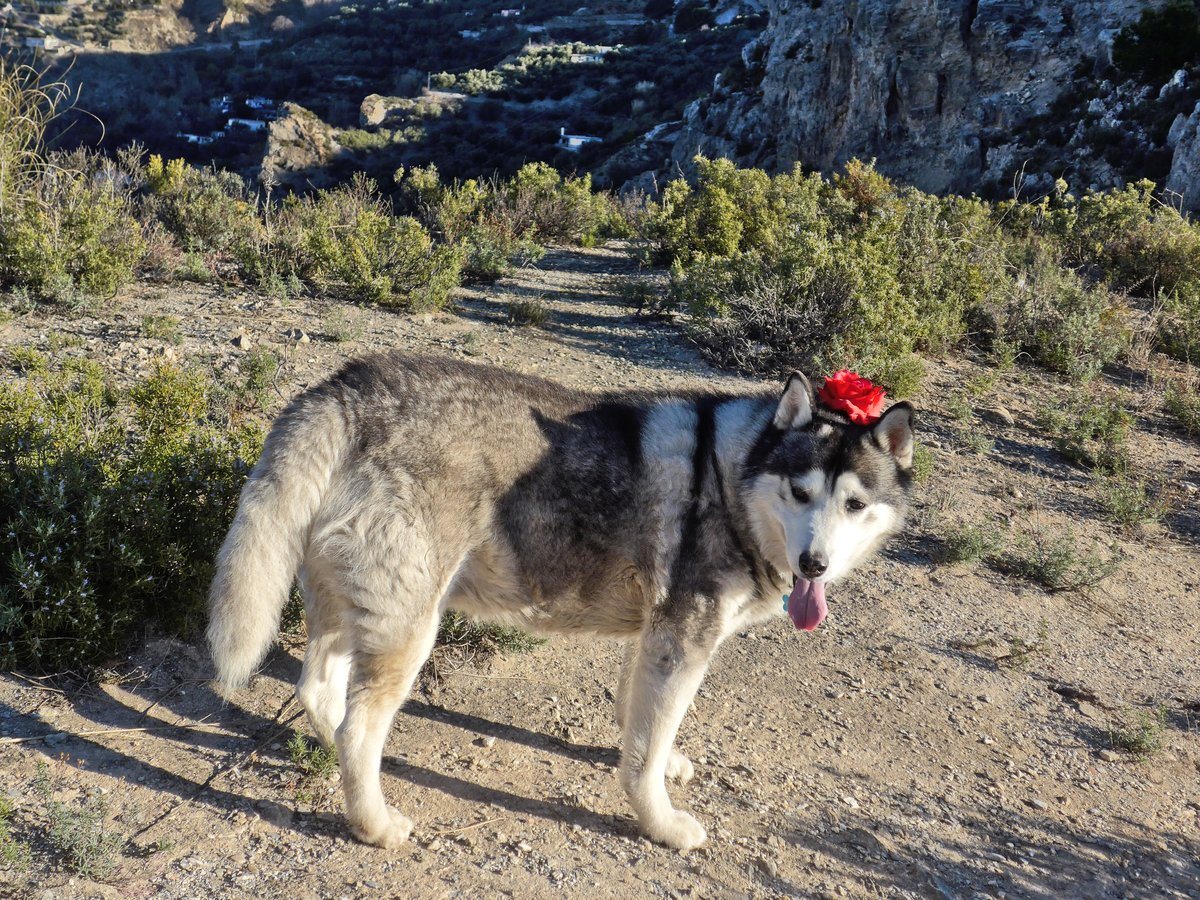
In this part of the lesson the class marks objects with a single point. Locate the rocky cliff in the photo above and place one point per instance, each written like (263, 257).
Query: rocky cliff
(940, 92)
(1184, 179)
(299, 149)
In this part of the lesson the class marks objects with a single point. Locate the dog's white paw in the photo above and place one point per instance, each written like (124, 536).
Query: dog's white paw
(679, 768)
(389, 833)
(677, 829)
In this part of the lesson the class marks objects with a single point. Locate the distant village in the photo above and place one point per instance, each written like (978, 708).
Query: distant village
(261, 112)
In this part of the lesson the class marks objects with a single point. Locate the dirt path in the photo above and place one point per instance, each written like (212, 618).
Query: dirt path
(945, 733)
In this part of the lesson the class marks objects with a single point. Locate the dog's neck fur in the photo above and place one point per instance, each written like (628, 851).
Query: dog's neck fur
(727, 429)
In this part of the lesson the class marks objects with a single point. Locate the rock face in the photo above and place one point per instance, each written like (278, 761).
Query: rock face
(299, 148)
(932, 89)
(1184, 179)
(373, 111)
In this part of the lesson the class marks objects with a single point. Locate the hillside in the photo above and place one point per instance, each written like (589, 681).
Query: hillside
(204, 83)
(950, 731)
(972, 96)
(968, 96)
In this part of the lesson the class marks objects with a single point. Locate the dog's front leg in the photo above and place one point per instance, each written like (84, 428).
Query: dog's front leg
(663, 679)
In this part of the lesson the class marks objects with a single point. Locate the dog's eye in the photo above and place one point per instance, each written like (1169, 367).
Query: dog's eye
(800, 494)
(855, 505)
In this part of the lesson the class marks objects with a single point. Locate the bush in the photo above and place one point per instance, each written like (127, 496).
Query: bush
(968, 542)
(557, 209)
(1182, 402)
(471, 214)
(531, 311)
(499, 224)
(794, 270)
(113, 503)
(1179, 323)
(797, 271)
(73, 235)
(1134, 242)
(1064, 324)
(1089, 430)
(1129, 499)
(205, 210)
(347, 241)
(1057, 561)
(1160, 42)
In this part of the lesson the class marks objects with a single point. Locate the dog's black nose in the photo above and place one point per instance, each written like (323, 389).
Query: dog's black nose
(813, 565)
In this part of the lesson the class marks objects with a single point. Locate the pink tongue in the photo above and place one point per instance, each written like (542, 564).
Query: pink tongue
(806, 604)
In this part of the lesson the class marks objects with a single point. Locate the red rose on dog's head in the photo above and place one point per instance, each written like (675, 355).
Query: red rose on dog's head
(850, 393)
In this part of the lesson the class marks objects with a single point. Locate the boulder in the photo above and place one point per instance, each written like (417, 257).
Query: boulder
(299, 147)
(1184, 178)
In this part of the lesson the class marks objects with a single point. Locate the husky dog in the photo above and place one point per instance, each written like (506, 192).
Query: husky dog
(406, 486)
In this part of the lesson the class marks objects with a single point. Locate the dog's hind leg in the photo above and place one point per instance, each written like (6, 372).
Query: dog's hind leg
(628, 659)
(664, 678)
(387, 658)
(325, 675)
(679, 767)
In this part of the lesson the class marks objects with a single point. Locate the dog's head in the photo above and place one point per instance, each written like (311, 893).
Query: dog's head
(824, 493)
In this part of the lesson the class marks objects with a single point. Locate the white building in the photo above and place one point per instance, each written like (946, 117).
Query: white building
(251, 124)
(575, 142)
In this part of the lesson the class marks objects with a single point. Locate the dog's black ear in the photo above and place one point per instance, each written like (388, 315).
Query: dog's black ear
(796, 405)
(894, 433)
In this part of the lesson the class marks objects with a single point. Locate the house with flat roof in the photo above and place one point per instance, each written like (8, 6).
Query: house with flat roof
(575, 142)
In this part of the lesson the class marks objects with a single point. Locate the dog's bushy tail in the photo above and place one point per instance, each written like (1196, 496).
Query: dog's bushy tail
(265, 545)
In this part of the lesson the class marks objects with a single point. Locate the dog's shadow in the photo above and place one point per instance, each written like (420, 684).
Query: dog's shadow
(250, 738)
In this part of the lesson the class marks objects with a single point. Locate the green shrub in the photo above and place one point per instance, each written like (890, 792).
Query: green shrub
(259, 368)
(1182, 402)
(1133, 241)
(491, 249)
(347, 241)
(73, 236)
(113, 503)
(162, 328)
(1140, 732)
(969, 542)
(531, 311)
(28, 359)
(1064, 324)
(559, 209)
(79, 831)
(504, 223)
(456, 630)
(794, 270)
(193, 267)
(1159, 42)
(1140, 244)
(205, 210)
(902, 375)
(14, 853)
(1179, 323)
(342, 325)
(1057, 561)
(923, 463)
(1088, 429)
(1131, 500)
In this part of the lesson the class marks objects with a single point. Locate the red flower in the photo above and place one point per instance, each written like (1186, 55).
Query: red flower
(857, 397)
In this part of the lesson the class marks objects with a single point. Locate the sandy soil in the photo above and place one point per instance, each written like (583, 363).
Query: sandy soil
(909, 748)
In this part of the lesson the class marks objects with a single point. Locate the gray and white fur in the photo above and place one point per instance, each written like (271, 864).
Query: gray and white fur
(406, 486)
